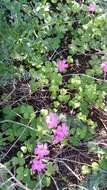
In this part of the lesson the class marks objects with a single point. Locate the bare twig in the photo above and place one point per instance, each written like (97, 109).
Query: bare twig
(26, 126)
(13, 144)
(50, 58)
(19, 184)
(4, 183)
(104, 124)
(56, 185)
(81, 153)
(81, 187)
(5, 100)
(73, 161)
(63, 162)
(82, 74)
(18, 123)
(57, 53)
(11, 186)
(39, 183)
(98, 52)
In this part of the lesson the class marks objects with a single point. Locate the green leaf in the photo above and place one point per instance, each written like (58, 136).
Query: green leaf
(20, 173)
(74, 140)
(85, 170)
(21, 161)
(103, 163)
(26, 178)
(9, 112)
(15, 161)
(24, 149)
(81, 132)
(27, 111)
(95, 166)
(46, 181)
(50, 169)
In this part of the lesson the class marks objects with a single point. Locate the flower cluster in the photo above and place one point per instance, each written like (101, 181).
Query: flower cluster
(60, 131)
(62, 65)
(92, 8)
(104, 66)
(41, 151)
(38, 165)
(52, 120)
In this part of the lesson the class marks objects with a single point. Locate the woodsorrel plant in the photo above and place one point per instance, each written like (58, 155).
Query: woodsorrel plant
(53, 94)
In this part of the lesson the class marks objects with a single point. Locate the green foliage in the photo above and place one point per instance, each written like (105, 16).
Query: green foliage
(34, 35)
(96, 180)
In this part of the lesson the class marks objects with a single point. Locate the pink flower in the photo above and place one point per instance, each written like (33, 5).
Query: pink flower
(62, 66)
(41, 150)
(104, 66)
(60, 133)
(37, 165)
(92, 7)
(52, 120)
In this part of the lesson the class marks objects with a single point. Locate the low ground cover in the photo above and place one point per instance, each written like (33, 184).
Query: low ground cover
(53, 88)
